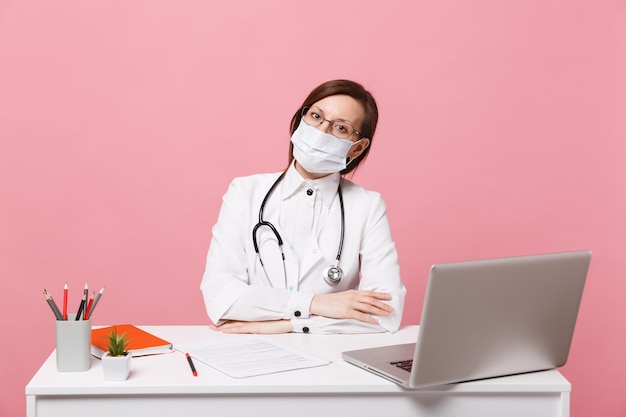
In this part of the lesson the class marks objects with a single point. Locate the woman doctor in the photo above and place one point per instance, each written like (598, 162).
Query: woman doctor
(306, 250)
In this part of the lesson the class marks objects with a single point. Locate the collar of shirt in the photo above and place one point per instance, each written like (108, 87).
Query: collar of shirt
(326, 186)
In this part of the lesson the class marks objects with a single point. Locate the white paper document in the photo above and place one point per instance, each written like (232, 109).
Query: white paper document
(242, 356)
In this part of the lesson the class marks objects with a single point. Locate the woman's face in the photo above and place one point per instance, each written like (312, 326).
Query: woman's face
(344, 108)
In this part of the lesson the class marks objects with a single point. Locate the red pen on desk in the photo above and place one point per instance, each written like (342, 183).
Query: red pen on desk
(193, 368)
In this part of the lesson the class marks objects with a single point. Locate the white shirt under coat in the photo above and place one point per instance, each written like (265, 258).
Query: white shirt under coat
(307, 215)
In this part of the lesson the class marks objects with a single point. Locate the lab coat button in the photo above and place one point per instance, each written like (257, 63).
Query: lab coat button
(309, 192)
(297, 314)
(305, 329)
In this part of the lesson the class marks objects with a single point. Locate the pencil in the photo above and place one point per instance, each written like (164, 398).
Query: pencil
(88, 309)
(95, 302)
(65, 291)
(193, 368)
(82, 302)
(52, 305)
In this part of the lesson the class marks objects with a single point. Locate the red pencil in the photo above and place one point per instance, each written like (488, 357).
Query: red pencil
(95, 302)
(88, 309)
(65, 302)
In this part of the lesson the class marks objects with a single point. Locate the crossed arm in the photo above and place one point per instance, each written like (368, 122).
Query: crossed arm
(360, 305)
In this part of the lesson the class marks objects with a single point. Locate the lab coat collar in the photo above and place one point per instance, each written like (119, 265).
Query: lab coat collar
(326, 186)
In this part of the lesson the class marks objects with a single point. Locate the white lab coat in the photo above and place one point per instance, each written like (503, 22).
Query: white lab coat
(235, 286)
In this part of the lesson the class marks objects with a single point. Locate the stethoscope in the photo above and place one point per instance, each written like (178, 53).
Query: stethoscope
(333, 274)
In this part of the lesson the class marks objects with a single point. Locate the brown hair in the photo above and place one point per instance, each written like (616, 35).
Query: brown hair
(348, 88)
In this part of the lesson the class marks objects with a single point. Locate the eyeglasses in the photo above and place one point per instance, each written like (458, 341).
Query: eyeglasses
(342, 129)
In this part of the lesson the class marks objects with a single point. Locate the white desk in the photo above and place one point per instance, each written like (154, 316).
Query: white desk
(163, 385)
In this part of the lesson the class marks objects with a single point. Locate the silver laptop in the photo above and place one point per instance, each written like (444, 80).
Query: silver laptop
(488, 318)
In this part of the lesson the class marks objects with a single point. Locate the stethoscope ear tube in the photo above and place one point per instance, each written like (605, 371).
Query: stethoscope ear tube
(334, 274)
(271, 226)
(262, 222)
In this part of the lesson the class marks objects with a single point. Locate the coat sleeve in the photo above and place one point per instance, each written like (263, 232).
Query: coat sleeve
(225, 284)
(379, 270)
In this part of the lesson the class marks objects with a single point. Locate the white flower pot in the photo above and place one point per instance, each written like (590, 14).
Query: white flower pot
(116, 368)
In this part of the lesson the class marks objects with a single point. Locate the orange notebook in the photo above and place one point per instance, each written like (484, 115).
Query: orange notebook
(141, 342)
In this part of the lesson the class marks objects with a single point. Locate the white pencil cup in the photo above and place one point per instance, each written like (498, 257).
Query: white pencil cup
(73, 344)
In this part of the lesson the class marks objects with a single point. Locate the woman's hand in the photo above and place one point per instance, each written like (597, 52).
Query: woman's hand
(352, 304)
(261, 327)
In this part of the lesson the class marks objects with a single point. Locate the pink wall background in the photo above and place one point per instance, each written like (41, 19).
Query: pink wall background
(502, 132)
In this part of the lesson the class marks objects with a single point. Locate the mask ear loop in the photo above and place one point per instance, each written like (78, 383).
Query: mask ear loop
(350, 160)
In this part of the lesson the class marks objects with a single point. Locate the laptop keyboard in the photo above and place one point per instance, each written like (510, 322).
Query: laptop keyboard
(406, 364)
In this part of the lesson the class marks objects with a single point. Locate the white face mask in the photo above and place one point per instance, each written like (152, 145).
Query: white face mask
(318, 152)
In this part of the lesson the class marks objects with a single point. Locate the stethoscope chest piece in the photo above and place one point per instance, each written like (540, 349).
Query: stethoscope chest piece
(333, 275)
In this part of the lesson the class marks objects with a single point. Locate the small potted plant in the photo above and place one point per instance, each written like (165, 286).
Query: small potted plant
(116, 360)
